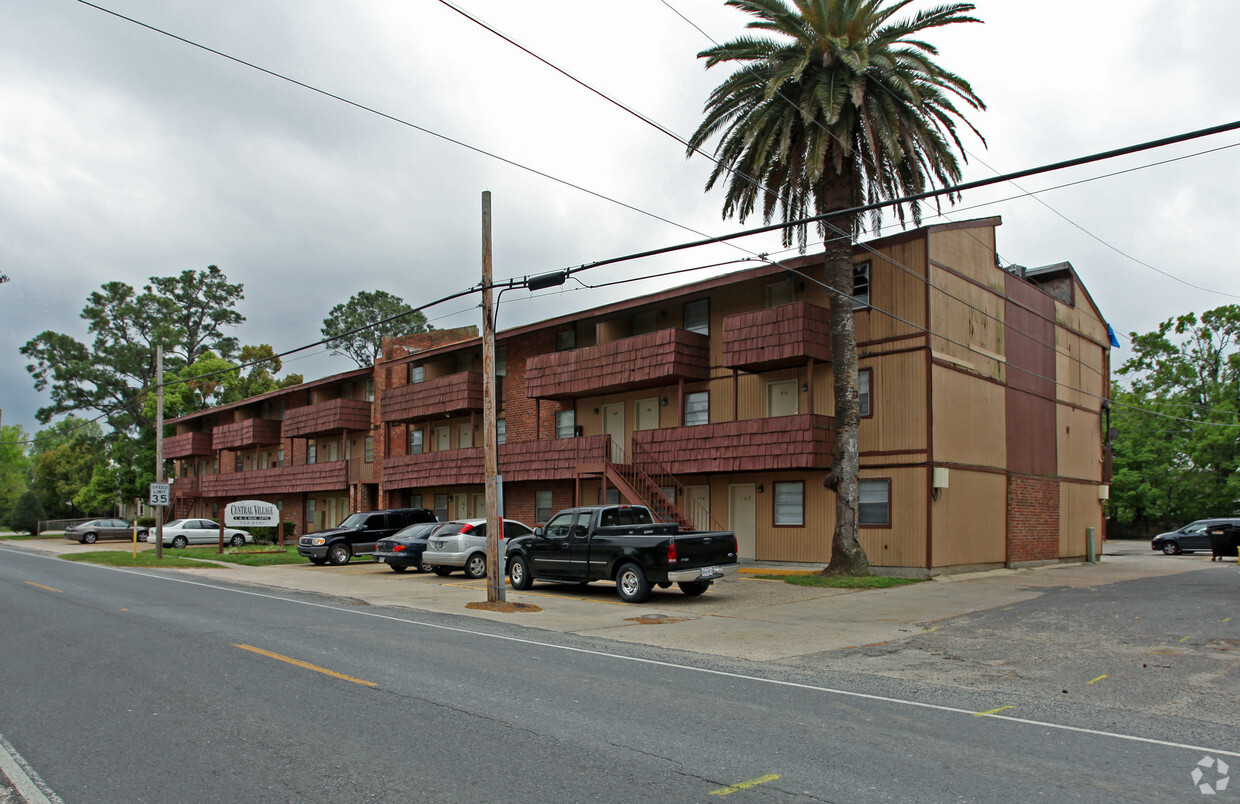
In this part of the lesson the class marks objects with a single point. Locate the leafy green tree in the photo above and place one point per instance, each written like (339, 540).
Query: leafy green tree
(185, 314)
(365, 309)
(65, 456)
(14, 468)
(1178, 448)
(27, 514)
(838, 105)
(212, 380)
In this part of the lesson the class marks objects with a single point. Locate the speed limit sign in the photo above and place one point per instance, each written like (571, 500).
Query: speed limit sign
(161, 494)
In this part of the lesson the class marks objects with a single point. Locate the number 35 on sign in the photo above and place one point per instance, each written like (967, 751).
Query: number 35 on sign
(161, 494)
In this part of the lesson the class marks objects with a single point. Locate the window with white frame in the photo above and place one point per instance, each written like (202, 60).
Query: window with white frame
(369, 450)
(612, 497)
(312, 452)
(865, 379)
(501, 431)
(240, 463)
(370, 389)
(565, 423)
(441, 507)
(415, 441)
(542, 506)
(861, 285)
(697, 408)
(790, 503)
(280, 456)
(697, 316)
(875, 502)
(415, 500)
(416, 374)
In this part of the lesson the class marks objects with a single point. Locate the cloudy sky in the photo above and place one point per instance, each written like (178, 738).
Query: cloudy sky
(126, 154)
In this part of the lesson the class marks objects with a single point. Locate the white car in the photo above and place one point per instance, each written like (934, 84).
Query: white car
(462, 544)
(181, 532)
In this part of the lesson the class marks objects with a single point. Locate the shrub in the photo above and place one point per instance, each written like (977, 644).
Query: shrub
(26, 514)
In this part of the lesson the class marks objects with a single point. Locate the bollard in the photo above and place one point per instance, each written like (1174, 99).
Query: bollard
(1090, 556)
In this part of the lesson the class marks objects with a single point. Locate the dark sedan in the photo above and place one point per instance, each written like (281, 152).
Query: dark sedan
(90, 532)
(405, 548)
(1192, 536)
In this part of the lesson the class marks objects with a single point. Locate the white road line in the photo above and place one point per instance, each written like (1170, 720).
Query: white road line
(670, 665)
(23, 777)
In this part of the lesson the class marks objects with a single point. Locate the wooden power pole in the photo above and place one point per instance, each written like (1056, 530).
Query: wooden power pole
(495, 552)
(159, 447)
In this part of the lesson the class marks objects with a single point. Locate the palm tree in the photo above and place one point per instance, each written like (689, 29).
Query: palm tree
(842, 106)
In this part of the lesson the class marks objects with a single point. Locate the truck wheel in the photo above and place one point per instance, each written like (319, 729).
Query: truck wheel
(519, 573)
(476, 566)
(339, 554)
(694, 588)
(631, 583)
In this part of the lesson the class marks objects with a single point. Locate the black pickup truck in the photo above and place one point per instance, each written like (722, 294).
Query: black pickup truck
(621, 543)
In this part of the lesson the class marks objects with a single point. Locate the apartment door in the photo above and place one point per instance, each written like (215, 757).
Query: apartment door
(697, 506)
(782, 398)
(460, 506)
(743, 518)
(442, 437)
(464, 436)
(480, 505)
(613, 425)
(647, 417)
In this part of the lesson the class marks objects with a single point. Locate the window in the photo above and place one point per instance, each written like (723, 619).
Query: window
(369, 451)
(415, 443)
(501, 361)
(565, 423)
(240, 463)
(612, 497)
(697, 316)
(875, 503)
(417, 374)
(415, 500)
(310, 511)
(565, 339)
(280, 457)
(697, 408)
(501, 431)
(790, 504)
(312, 453)
(441, 507)
(861, 285)
(865, 378)
(370, 389)
(561, 526)
(264, 460)
(780, 293)
(542, 506)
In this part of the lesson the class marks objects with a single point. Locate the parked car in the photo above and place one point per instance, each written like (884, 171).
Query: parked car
(462, 544)
(358, 534)
(404, 549)
(181, 532)
(1189, 538)
(92, 531)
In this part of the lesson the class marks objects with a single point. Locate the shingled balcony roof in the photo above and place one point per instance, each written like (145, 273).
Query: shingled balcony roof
(642, 361)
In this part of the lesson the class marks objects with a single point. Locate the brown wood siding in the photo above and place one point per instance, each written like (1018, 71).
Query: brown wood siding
(638, 362)
(777, 337)
(1080, 364)
(1079, 509)
(898, 393)
(1030, 433)
(284, 480)
(903, 542)
(327, 417)
(187, 445)
(450, 395)
(968, 419)
(785, 442)
(245, 434)
(969, 519)
(1030, 315)
(1079, 440)
(970, 252)
(966, 323)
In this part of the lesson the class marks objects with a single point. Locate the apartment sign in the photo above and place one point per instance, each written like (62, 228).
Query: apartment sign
(251, 513)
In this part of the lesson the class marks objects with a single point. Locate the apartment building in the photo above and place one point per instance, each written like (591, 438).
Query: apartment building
(982, 439)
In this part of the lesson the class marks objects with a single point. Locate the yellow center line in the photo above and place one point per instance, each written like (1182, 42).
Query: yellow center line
(1226, 619)
(1099, 678)
(41, 586)
(306, 665)
(1185, 639)
(727, 791)
(992, 711)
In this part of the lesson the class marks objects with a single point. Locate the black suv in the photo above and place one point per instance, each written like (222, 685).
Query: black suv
(357, 534)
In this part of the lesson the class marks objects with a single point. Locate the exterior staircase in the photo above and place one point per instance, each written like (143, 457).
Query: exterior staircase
(641, 479)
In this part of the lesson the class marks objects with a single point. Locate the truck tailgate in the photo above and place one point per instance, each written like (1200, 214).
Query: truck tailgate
(704, 549)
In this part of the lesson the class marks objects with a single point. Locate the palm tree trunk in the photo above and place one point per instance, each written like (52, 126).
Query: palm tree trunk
(847, 555)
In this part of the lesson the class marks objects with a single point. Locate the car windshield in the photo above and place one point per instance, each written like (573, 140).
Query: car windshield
(176, 523)
(354, 521)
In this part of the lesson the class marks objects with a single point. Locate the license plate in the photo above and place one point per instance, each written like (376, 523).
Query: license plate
(438, 544)
(381, 560)
(707, 572)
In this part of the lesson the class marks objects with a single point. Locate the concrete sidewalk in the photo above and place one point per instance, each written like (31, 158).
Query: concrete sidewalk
(742, 616)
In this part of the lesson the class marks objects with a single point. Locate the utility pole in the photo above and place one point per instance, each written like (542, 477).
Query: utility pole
(159, 447)
(495, 554)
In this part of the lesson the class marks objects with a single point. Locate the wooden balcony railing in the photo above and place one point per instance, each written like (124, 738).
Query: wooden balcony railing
(332, 476)
(327, 417)
(805, 441)
(246, 434)
(642, 361)
(187, 445)
(452, 395)
(778, 337)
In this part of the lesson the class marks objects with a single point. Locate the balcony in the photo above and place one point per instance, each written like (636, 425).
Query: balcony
(331, 476)
(188, 445)
(186, 486)
(327, 417)
(642, 361)
(246, 434)
(548, 459)
(805, 441)
(361, 471)
(778, 337)
(452, 395)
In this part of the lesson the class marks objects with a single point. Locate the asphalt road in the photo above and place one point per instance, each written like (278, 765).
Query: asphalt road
(147, 686)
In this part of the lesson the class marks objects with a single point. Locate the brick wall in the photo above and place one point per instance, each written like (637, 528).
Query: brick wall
(1032, 519)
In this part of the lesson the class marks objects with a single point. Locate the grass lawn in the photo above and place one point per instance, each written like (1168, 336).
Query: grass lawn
(841, 581)
(258, 555)
(191, 557)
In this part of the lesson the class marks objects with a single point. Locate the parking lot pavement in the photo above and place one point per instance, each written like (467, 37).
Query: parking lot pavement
(742, 616)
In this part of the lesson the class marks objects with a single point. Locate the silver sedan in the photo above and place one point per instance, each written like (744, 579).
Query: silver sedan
(181, 532)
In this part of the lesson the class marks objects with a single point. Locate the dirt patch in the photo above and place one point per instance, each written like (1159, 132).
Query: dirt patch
(657, 619)
(507, 608)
